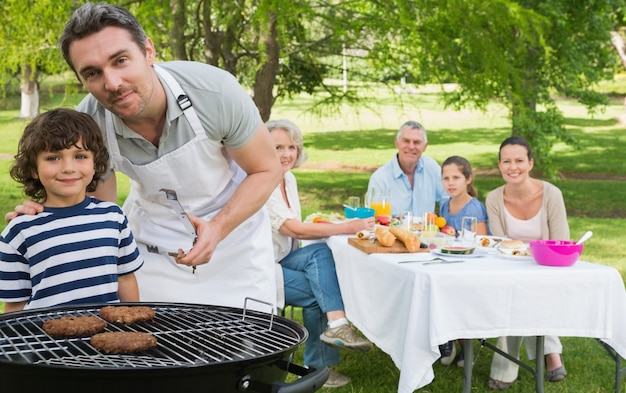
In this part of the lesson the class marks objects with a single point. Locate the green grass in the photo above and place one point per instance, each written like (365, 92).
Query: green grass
(346, 146)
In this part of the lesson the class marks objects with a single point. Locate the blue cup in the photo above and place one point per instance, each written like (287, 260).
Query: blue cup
(359, 212)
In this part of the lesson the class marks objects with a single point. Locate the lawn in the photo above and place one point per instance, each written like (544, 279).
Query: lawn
(344, 148)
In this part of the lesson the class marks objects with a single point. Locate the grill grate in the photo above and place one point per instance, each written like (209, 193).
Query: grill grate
(187, 335)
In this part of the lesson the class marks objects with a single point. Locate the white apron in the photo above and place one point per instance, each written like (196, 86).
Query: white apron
(204, 178)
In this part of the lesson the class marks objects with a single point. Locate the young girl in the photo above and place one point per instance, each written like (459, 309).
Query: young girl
(457, 178)
(456, 174)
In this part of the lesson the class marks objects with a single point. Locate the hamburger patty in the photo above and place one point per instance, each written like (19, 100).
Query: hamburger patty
(123, 342)
(126, 314)
(74, 326)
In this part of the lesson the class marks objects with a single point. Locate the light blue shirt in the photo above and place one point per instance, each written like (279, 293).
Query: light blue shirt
(473, 208)
(427, 186)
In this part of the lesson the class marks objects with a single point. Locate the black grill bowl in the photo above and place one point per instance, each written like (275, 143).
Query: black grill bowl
(200, 349)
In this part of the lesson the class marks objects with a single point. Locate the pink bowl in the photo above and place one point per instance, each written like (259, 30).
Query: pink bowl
(555, 252)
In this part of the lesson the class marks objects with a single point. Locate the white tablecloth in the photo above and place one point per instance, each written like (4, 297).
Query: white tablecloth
(407, 310)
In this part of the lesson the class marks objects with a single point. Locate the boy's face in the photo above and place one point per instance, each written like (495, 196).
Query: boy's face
(65, 174)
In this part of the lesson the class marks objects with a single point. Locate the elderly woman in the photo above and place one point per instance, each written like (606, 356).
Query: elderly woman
(308, 273)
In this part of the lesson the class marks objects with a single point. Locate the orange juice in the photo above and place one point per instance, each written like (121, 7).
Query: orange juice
(383, 208)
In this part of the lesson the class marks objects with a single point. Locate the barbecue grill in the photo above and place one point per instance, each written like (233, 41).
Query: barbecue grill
(200, 349)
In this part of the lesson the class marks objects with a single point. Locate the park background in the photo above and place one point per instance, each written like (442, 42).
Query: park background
(349, 73)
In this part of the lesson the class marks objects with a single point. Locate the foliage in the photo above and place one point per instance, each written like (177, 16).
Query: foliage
(517, 52)
(29, 33)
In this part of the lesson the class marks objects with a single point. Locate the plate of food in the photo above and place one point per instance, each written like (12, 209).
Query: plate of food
(325, 218)
(490, 242)
(514, 249)
(458, 251)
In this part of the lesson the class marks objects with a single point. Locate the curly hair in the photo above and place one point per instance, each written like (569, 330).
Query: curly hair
(56, 130)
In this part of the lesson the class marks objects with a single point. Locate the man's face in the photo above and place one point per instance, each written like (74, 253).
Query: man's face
(411, 144)
(115, 70)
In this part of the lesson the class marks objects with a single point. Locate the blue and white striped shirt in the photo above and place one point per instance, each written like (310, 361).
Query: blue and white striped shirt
(70, 255)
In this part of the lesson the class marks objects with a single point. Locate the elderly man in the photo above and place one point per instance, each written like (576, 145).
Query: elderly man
(413, 181)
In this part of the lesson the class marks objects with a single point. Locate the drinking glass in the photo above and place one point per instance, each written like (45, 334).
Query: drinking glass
(407, 219)
(428, 225)
(354, 201)
(468, 231)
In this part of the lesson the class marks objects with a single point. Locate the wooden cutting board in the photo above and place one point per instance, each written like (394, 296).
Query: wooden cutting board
(368, 247)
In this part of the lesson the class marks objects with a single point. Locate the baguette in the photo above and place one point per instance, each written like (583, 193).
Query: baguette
(408, 238)
(384, 237)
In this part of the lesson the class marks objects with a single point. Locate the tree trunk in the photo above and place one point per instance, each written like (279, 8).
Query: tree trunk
(212, 39)
(266, 75)
(30, 94)
(177, 37)
(618, 43)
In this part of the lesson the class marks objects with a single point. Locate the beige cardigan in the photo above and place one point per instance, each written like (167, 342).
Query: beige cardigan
(554, 224)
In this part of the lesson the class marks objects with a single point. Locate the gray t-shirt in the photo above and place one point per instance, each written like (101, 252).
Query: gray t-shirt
(225, 109)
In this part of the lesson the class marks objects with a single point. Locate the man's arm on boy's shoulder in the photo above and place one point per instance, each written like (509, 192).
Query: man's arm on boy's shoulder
(107, 190)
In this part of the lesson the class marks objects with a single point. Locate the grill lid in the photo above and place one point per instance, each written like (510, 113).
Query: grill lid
(187, 334)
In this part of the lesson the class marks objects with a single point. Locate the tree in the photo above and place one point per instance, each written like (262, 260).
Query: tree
(517, 52)
(275, 47)
(28, 42)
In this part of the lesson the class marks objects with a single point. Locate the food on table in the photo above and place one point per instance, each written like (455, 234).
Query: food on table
(514, 247)
(364, 234)
(385, 237)
(435, 240)
(327, 217)
(123, 342)
(490, 241)
(448, 230)
(459, 250)
(126, 314)
(408, 238)
(383, 220)
(440, 222)
(71, 326)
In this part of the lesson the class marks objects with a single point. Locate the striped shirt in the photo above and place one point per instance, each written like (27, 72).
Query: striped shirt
(70, 255)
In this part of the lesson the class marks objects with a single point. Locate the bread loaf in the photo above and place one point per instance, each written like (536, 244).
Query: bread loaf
(384, 237)
(408, 238)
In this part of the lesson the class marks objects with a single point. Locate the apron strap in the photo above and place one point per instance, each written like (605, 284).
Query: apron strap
(183, 101)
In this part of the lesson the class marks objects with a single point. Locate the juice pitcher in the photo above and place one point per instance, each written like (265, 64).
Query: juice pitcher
(381, 202)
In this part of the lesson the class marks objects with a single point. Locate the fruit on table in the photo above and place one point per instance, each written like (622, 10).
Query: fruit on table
(383, 220)
(448, 230)
(440, 222)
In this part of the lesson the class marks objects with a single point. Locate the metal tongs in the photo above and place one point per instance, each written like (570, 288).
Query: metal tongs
(182, 215)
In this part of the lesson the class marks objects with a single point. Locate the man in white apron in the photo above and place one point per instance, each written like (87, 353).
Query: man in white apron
(191, 128)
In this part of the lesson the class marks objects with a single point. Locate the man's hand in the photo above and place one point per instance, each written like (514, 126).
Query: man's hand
(28, 207)
(209, 236)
